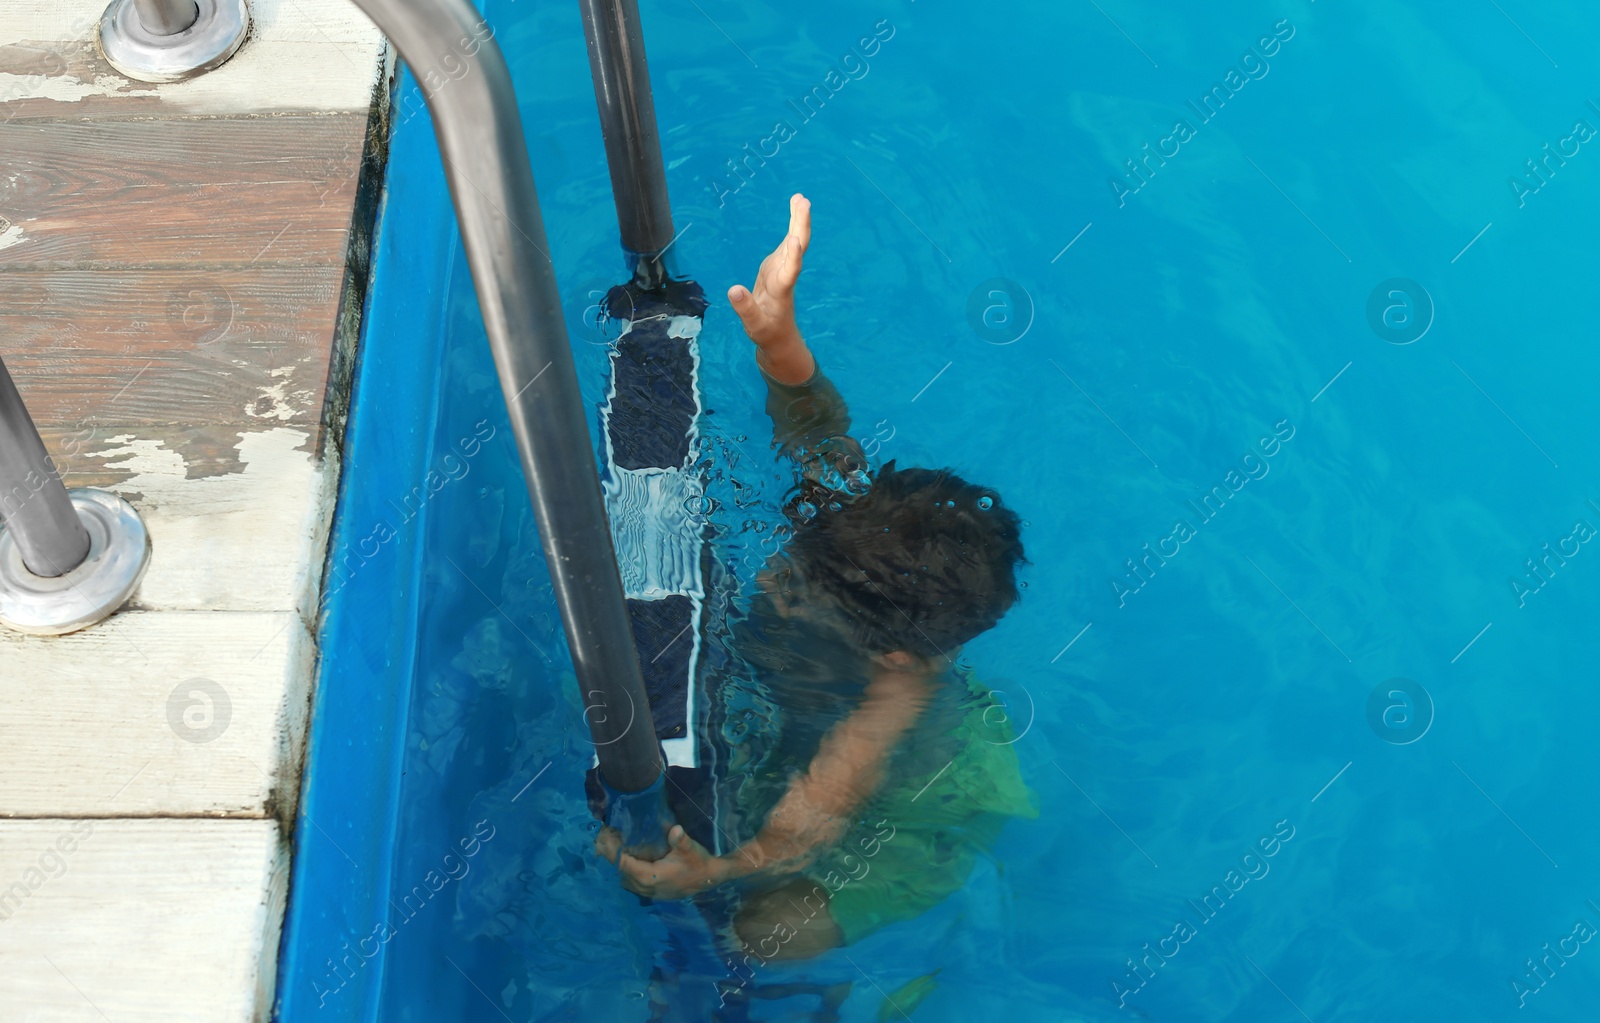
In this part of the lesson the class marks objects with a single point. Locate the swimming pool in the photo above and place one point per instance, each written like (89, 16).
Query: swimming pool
(1288, 378)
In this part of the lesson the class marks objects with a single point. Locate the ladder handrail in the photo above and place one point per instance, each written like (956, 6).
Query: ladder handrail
(628, 122)
(491, 185)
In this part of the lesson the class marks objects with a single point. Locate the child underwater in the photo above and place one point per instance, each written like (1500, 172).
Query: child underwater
(891, 769)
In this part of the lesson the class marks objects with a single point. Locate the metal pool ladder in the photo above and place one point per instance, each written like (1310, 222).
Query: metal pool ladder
(491, 185)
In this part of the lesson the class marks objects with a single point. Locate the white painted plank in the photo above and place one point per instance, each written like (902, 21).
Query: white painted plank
(246, 541)
(125, 719)
(155, 921)
(301, 55)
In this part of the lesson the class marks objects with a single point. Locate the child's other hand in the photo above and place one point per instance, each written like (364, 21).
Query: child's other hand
(767, 311)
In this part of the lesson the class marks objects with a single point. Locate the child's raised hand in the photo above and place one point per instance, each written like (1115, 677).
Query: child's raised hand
(767, 311)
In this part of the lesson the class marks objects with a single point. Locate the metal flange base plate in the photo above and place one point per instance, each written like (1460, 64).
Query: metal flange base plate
(137, 52)
(119, 553)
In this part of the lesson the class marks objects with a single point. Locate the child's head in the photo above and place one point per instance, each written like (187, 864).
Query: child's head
(922, 562)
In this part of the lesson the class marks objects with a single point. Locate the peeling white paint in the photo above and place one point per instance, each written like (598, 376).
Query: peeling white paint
(66, 88)
(242, 541)
(280, 396)
(11, 236)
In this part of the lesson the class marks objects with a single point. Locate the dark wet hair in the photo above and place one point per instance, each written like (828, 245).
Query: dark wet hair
(922, 562)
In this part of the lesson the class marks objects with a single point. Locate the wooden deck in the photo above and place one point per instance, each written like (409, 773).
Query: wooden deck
(181, 272)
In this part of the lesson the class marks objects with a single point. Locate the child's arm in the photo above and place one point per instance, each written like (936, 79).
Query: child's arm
(847, 769)
(810, 419)
(816, 810)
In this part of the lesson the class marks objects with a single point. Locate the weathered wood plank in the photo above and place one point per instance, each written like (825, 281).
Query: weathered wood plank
(170, 347)
(252, 540)
(193, 192)
(155, 921)
(302, 55)
(244, 529)
(155, 714)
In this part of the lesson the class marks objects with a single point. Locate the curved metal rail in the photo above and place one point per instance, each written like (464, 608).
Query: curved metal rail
(491, 185)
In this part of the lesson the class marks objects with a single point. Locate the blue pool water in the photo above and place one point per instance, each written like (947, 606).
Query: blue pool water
(1205, 321)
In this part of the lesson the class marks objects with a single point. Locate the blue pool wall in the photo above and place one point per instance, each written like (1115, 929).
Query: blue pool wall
(344, 836)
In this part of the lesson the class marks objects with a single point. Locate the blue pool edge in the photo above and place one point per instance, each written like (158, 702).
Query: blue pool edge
(330, 968)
